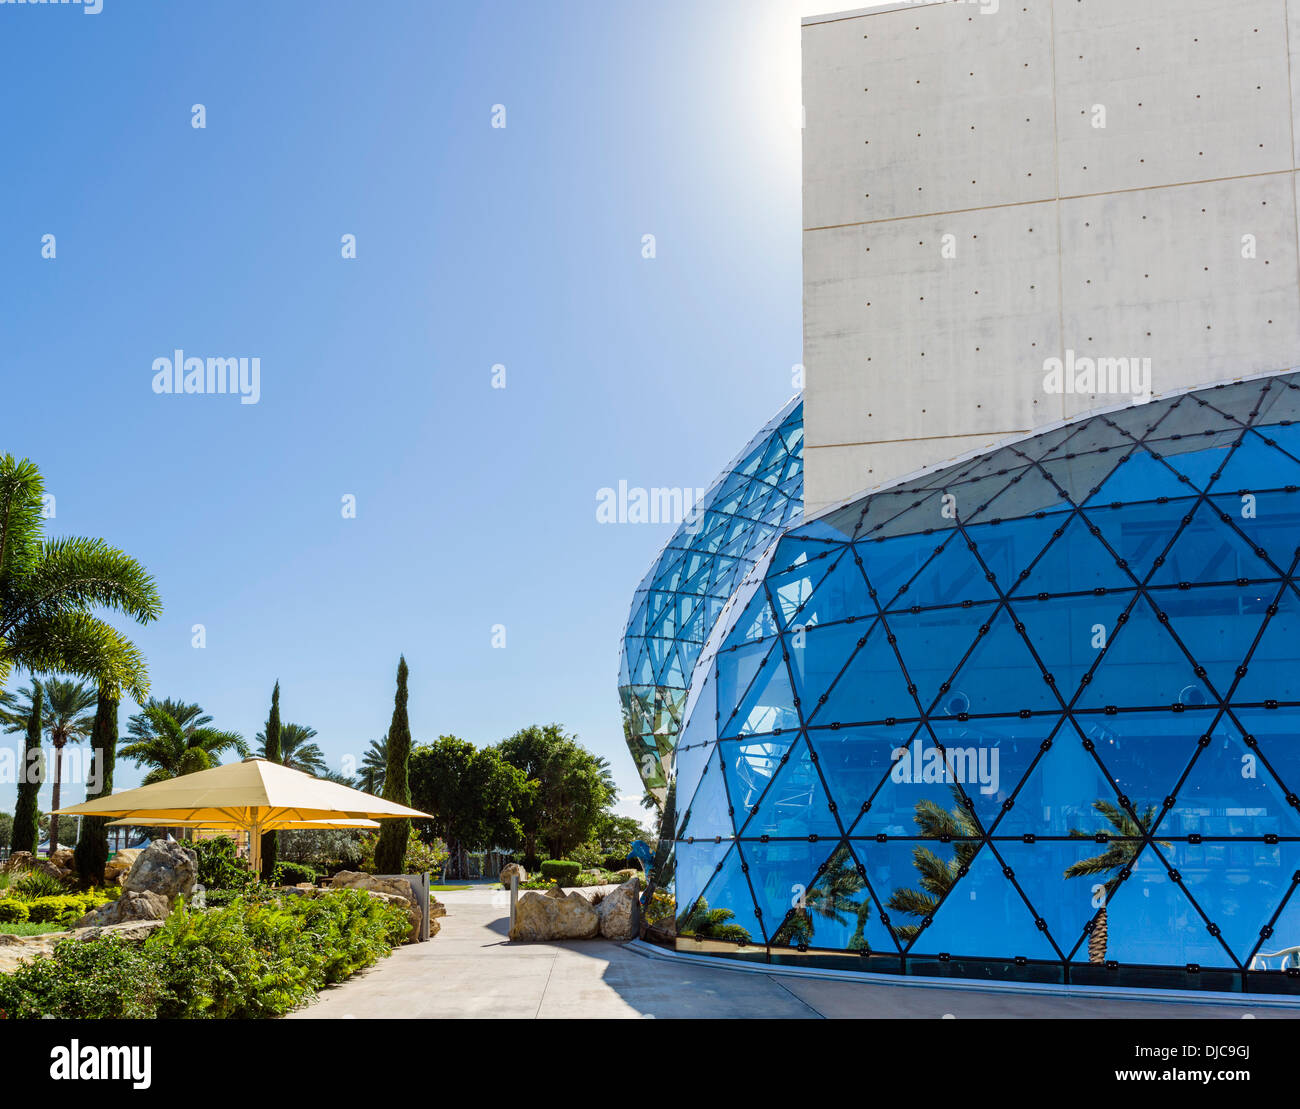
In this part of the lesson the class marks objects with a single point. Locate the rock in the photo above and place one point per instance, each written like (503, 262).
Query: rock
(508, 870)
(131, 931)
(132, 906)
(436, 909)
(548, 917)
(18, 861)
(398, 888)
(555, 891)
(64, 859)
(164, 868)
(17, 949)
(619, 912)
(626, 874)
(119, 866)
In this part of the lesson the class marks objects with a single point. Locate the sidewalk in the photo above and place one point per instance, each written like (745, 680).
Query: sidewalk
(470, 969)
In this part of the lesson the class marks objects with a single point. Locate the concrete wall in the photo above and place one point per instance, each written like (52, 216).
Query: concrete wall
(957, 120)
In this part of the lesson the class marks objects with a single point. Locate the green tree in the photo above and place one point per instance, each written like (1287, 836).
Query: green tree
(6, 829)
(572, 790)
(26, 830)
(1115, 861)
(390, 851)
(271, 751)
(374, 765)
(170, 749)
(92, 847)
(50, 587)
(66, 721)
(472, 794)
(297, 752)
(188, 715)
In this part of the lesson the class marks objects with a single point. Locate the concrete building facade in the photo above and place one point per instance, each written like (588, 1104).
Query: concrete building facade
(991, 186)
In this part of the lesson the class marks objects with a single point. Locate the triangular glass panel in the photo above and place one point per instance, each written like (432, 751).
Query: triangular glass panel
(952, 576)
(768, 704)
(781, 874)
(1277, 951)
(871, 688)
(854, 761)
(991, 757)
(1256, 465)
(725, 911)
(910, 877)
(1139, 533)
(1208, 550)
(1140, 477)
(1000, 675)
(750, 765)
(1069, 632)
(818, 656)
(1146, 755)
(1142, 667)
(1277, 735)
(1269, 521)
(795, 804)
(933, 644)
(696, 863)
(921, 796)
(985, 916)
(1272, 672)
(709, 812)
(1216, 624)
(890, 565)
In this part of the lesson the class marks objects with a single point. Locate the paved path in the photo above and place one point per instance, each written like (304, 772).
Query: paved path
(470, 969)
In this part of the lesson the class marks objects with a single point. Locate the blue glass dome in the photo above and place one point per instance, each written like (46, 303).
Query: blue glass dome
(752, 501)
(1035, 715)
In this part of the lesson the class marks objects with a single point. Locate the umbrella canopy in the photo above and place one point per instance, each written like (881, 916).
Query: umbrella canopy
(272, 826)
(254, 795)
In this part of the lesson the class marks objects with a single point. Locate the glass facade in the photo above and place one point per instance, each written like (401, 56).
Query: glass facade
(752, 501)
(1033, 715)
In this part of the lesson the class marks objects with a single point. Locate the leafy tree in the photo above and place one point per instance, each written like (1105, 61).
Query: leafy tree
(390, 851)
(297, 752)
(50, 587)
(572, 791)
(472, 794)
(374, 765)
(26, 832)
(188, 715)
(1116, 861)
(271, 751)
(92, 847)
(171, 749)
(6, 828)
(66, 721)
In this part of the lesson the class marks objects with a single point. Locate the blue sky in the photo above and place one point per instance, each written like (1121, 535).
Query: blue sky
(476, 246)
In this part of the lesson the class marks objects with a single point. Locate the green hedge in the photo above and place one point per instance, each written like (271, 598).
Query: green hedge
(561, 870)
(14, 912)
(248, 960)
(292, 874)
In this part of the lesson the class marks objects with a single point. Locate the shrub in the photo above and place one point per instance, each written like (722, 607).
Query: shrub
(66, 909)
(36, 883)
(220, 866)
(14, 912)
(105, 978)
(562, 871)
(619, 862)
(292, 874)
(252, 959)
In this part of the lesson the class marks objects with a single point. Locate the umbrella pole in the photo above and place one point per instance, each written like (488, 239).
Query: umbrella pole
(255, 848)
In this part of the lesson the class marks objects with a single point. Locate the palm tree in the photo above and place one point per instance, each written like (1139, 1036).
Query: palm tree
(1115, 861)
(188, 715)
(68, 718)
(171, 750)
(713, 924)
(49, 587)
(296, 749)
(374, 765)
(832, 896)
(938, 876)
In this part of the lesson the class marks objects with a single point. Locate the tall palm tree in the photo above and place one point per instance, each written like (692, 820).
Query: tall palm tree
(374, 765)
(171, 750)
(1117, 858)
(50, 587)
(938, 876)
(297, 752)
(68, 718)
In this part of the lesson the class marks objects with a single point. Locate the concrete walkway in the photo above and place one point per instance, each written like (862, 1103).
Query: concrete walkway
(471, 969)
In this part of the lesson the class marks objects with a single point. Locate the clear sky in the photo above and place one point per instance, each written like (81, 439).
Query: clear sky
(476, 246)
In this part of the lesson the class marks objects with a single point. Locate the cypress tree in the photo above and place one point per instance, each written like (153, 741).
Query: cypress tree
(390, 851)
(271, 840)
(92, 846)
(26, 833)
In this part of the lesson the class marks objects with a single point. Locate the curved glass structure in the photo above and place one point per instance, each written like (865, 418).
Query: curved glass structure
(1033, 715)
(677, 603)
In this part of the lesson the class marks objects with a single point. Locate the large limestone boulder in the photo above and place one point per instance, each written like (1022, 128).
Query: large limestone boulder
(511, 869)
(133, 905)
(619, 912)
(119, 866)
(398, 888)
(64, 859)
(165, 868)
(15, 950)
(554, 915)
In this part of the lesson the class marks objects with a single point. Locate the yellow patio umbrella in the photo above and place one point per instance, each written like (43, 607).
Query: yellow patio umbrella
(255, 796)
(273, 826)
